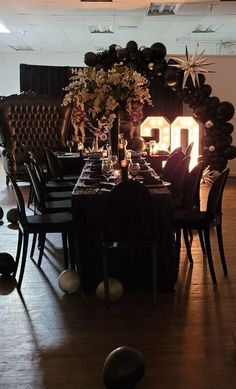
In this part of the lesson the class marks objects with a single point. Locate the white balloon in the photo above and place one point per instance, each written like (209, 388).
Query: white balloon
(116, 290)
(69, 281)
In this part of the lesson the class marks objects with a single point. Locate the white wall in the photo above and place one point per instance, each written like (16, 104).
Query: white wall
(223, 81)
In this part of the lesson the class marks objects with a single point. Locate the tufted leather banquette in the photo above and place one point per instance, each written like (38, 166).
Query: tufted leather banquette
(34, 121)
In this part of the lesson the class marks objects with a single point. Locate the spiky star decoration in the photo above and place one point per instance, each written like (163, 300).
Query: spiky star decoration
(192, 65)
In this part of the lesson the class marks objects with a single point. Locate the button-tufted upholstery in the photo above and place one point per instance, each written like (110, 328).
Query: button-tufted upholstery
(36, 121)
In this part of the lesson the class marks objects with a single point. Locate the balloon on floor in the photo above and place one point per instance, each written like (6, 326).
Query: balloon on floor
(123, 368)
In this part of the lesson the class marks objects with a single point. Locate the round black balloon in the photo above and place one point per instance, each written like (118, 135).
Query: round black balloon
(172, 76)
(1, 213)
(121, 54)
(159, 50)
(206, 90)
(230, 152)
(131, 46)
(90, 59)
(123, 368)
(12, 215)
(159, 67)
(147, 54)
(112, 47)
(7, 264)
(227, 128)
(225, 111)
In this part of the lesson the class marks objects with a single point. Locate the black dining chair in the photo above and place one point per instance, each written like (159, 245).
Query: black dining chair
(43, 205)
(170, 165)
(55, 169)
(204, 221)
(189, 148)
(190, 200)
(49, 195)
(128, 223)
(40, 224)
(180, 173)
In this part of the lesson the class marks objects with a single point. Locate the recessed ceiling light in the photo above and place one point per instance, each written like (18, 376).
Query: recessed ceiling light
(3, 29)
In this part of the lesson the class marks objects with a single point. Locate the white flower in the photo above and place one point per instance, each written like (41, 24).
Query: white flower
(96, 95)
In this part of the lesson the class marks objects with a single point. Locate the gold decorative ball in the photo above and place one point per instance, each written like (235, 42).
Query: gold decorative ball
(69, 281)
(116, 290)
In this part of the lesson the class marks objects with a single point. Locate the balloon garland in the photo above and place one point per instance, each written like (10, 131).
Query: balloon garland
(213, 113)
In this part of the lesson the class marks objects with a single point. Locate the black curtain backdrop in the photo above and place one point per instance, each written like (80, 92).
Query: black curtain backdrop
(50, 80)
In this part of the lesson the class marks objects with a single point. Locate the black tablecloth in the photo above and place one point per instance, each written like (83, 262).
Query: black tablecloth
(133, 269)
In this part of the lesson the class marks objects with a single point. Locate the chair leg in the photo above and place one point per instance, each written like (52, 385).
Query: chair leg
(202, 241)
(154, 258)
(65, 250)
(178, 244)
(105, 275)
(71, 250)
(18, 251)
(209, 255)
(187, 245)
(221, 248)
(33, 246)
(190, 234)
(23, 260)
(41, 250)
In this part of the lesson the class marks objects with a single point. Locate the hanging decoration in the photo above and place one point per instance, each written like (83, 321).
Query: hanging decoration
(192, 65)
(185, 77)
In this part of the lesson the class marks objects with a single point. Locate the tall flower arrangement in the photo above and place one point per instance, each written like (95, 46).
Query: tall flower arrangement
(95, 96)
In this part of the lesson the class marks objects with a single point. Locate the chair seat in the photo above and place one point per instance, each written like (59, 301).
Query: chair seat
(57, 206)
(56, 218)
(192, 218)
(63, 195)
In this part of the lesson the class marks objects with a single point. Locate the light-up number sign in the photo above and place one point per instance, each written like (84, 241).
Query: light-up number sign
(170, 133)
(163, 125)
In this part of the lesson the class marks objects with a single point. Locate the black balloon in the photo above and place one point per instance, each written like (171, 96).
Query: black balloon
(1, 213)
(121, 54)
(230, 152)
(159, 50)
(90, 59)
(7, 264)
(147, 53)
(131, 46)
(172, 76)
(225, 111)
(206, 90)
(123, 368)
(227, 128)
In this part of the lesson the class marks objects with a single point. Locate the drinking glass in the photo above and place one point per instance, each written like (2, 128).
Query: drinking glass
(107, 168)
(70, 144)
(134, 168)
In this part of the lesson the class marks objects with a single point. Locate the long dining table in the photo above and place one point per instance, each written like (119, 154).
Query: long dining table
(133, 269)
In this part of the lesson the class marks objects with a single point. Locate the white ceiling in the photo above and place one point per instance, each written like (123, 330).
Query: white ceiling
(63, 26)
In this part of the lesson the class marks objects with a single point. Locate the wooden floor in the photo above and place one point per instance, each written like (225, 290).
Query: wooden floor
(53, 340)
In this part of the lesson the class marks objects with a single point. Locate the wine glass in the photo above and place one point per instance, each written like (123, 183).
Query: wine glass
(107, 168)
(134, 168)
(70, 143)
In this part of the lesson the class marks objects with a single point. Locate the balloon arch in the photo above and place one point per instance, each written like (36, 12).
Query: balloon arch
(214, 114)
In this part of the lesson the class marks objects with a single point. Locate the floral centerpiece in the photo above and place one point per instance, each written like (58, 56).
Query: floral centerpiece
(97, 96)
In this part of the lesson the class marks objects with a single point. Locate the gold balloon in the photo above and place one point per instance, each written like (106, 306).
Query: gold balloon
(69, 281)
(116, 290)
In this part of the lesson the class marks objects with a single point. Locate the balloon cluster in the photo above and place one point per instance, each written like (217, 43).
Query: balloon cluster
(214, 114)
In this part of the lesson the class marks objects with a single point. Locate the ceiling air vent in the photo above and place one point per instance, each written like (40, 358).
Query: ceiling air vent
(205, 29)
(127, 27)
(159, 9)
(22, 48)
(101, 29)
